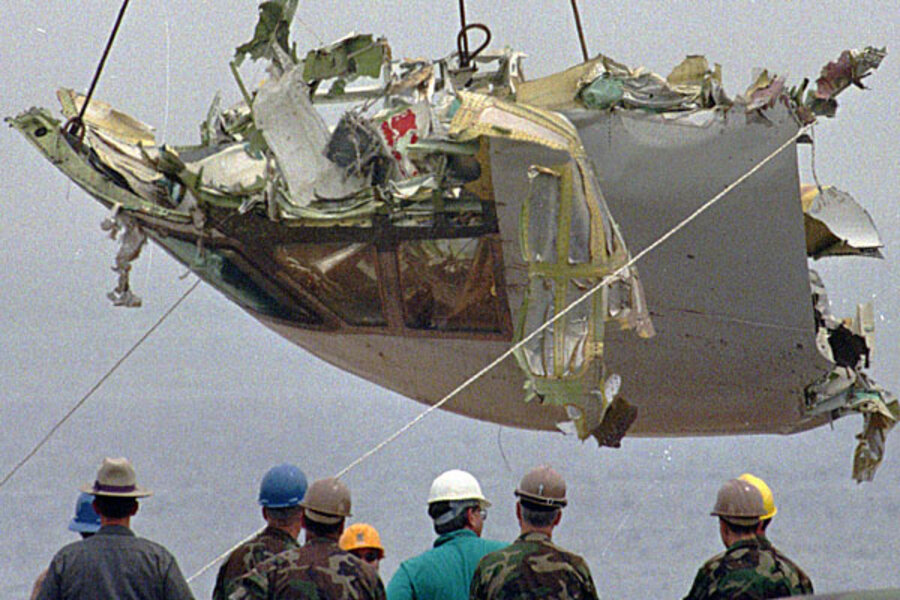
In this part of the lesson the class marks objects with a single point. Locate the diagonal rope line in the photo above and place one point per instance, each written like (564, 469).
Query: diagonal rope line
(99, 383)
(604, 282)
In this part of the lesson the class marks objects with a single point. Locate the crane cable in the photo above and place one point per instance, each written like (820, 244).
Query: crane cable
(506, 354)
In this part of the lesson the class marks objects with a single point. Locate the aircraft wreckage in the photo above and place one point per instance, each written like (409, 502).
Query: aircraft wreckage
(456, 206)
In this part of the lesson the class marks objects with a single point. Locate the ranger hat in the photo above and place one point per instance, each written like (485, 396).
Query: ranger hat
(327, 501)
(116, 478)
(739, 502)
(542, 487)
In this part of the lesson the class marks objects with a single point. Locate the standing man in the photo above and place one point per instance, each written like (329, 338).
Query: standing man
(114, 563)
(363, 540)
(458, 509)
(747, 568)
(533, 566)
(280, 493)
(320, 569)
(85, 522)
(766, 519)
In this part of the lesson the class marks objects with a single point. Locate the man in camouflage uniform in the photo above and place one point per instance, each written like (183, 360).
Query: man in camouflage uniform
(748, 569)
(766, 520)
(532, 566)
(319, 570)
(280, 492)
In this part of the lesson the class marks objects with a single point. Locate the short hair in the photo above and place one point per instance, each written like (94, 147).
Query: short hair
(115, 507)
(322, 529)
(739, 529)
(460, 520)
(538, 517)
(284, 515)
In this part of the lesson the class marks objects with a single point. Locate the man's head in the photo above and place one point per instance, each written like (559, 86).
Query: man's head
(542, 495)
(363, 540)
(325, 506)
(768, 499)
(86, 520)
(115, 491)
(280, 492)
(739, 506)
(455, 502)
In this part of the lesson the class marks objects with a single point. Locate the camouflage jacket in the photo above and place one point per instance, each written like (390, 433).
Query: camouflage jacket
(268, 543)
(319, 570)
(532, 567)
(749, 570)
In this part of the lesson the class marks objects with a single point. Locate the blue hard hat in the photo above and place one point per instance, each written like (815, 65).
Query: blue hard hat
(86, 519)
(282, 486)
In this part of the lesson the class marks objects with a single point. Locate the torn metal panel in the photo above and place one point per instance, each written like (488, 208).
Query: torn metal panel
(297, 136)
(564, 206)
(849, 69)
(271, 34)
(836, 225)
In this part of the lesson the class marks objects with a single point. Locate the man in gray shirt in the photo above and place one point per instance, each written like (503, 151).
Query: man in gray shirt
(114, 563)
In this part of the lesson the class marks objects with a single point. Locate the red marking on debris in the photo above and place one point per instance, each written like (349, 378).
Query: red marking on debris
(388, 133)
(404, 122)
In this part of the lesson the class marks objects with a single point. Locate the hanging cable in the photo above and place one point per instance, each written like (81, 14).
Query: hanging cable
(75, 126)
(604, 282)
(97, 385)
(584, 51)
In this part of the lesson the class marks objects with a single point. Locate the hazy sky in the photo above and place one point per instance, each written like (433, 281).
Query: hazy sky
(213, 398)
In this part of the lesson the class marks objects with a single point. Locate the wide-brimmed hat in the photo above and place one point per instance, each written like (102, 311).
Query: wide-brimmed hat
(116, 478)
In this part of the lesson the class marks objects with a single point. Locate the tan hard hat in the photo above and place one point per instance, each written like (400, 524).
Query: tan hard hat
(739, 502)
(543, 486)
(359, 536)
(327, 501)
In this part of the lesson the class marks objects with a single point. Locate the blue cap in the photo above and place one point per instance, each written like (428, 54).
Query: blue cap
(86, 519)
(282, 486)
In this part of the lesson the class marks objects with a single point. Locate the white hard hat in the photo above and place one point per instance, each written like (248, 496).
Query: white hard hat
(456, 485)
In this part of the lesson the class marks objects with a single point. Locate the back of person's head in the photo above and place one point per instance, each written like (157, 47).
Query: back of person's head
(538, 516)
(450, 515)
(114, 507)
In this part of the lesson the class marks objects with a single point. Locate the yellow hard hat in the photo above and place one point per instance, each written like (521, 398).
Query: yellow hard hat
(768, 498)
(361, 535)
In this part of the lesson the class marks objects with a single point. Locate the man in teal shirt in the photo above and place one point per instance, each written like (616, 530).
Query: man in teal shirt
(458, 509)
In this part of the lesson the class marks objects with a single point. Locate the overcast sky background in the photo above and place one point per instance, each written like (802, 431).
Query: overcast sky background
(213, 398)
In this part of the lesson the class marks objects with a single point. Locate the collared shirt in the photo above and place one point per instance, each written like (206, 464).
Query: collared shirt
(750, 569)
(445, 571)
(114, 563)
(319, 570)
(268, 543)
(532, 567)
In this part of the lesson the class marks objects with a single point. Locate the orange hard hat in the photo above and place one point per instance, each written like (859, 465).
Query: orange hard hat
(359, 536)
